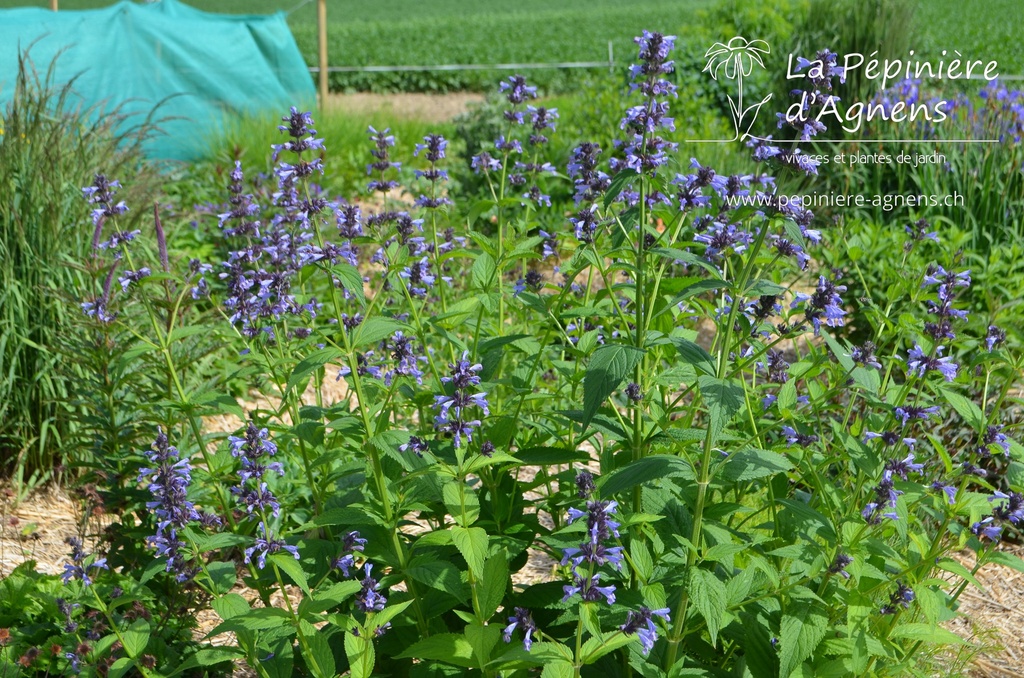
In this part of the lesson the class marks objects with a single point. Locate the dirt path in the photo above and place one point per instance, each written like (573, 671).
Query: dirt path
(426, 107)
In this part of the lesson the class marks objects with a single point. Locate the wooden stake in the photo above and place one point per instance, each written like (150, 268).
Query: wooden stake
(53, 5)
(321, 20)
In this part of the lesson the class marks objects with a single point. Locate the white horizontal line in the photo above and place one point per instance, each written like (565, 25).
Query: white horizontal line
(462, 67)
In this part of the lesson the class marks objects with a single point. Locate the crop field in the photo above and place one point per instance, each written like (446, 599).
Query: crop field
(403, 32)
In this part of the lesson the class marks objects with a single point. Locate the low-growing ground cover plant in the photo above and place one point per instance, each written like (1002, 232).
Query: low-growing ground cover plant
(651, 394)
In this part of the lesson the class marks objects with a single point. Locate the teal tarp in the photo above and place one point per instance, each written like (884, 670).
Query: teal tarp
(209, 64)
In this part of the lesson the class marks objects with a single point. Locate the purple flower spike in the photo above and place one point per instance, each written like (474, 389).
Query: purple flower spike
(641, 622)
(368, 599)
(522, 620)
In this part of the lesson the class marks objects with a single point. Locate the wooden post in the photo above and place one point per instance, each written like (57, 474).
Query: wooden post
(53, 5)
(321, 20)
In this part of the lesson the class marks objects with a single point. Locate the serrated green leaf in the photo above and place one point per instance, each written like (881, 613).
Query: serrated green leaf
(608, 367)
(932, 634)
(230, 605)
(351, 279)
(752, 463)
(483, 272)
(472, 544)
(618, 183)
(223, 576)
(970, 412)
(118, 668)
(374, 330)
(439, 574)
(361, 656)
(643, 471)
(462, 502)
(310, 364)
(693, 354)
(446, 647)
(1006, 560)
(495, 583)
(291, 567)
(136, 637)
(320, 654)
(558, 669)
(804, 625)
(724, 399)
(640, 555)
(708, 595)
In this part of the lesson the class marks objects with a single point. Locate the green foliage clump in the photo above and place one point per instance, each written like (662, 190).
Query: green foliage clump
(49, 149)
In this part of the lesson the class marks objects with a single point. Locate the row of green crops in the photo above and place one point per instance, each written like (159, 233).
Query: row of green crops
(403, 32)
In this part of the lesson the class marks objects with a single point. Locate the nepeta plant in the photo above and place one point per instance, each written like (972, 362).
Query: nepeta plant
(644, 394)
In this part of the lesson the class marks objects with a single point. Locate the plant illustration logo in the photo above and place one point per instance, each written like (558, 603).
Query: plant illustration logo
(734, 61)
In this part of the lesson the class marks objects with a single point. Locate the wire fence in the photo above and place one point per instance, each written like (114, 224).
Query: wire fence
(609, 64)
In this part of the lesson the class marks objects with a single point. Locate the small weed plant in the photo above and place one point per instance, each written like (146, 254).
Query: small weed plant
(627, 434)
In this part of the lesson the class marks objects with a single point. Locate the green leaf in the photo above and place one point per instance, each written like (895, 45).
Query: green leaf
(759, 288)
(361, 657)
(841, 354)
(439, 574)
(550, 456)
(479, 207)
(121, 667)
(221, 540)
(1006, 560)
(351, 279)
(928, 633)
(472, 544)
(310, 364)
(230, 605)
(483, 272)
(694, 354)
(618, 183)
(594, 649)
(724, 399)
(495, 583)
(640, 555)
(291, 567)
(970, 412)
(390, 612)
(320, 653)
(223, 576)
(950, 565)
(258, 619)
(608, 367)
(761, 656)
(445, 647)
(332, 596)
(208, 656)
(642, 471)
(457, 495)
(803, 626)
(709, 597)
(136, 637)
(374, 330)
(558, 669)
(753, 463)
(696, 288)
(483, 639)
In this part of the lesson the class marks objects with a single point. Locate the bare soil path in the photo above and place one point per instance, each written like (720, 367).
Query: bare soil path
(426, 107)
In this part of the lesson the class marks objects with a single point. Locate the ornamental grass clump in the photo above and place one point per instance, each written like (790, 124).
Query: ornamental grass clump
(642, 393)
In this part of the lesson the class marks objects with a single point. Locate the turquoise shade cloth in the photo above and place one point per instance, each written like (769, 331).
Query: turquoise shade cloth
(199, 64)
